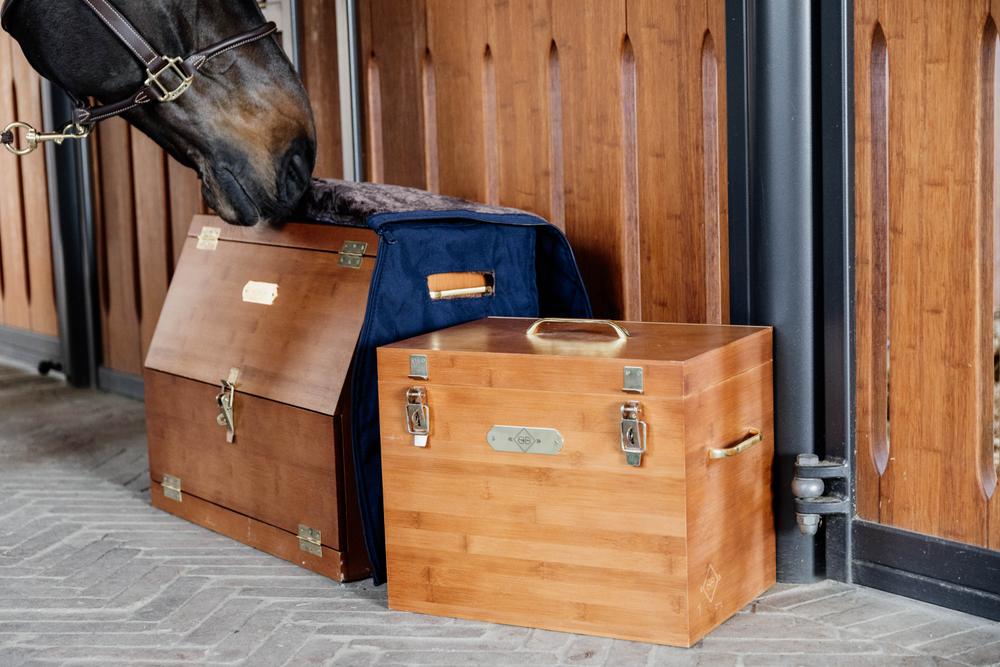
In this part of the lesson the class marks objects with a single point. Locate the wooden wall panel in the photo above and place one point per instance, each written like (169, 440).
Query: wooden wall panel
(27, 294)
(924, 181)
(592, 114)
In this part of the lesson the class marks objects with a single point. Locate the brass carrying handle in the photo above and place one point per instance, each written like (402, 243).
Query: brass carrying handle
(752, 439)
(620, 331)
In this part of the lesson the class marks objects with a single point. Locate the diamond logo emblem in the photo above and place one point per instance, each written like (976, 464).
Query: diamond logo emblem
(524, 440)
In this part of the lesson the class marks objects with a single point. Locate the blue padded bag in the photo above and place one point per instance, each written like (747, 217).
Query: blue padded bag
(422, 234)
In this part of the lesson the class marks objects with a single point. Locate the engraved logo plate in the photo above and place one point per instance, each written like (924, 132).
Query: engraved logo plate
(525, 439)
(262, 293)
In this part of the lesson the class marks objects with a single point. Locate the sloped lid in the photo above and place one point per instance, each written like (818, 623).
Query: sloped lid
(277, 305)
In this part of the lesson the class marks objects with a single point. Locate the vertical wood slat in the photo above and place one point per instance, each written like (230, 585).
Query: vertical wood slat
(990, 215)
(120, 329)
(457, 42)
(185, 202)
(319, 68)
(35, 205)
(154, 250)
(866, 267)
(13, 254)
(590, 53)
(394, 36)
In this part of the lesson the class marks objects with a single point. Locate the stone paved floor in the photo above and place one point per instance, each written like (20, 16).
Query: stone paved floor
(91, 574)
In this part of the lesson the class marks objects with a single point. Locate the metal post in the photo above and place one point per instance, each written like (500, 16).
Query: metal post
(350, 90)
(836, 28)
(71, 221)
(783, 247)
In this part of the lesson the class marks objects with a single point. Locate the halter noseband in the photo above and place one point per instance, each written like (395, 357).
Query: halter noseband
(167, 78)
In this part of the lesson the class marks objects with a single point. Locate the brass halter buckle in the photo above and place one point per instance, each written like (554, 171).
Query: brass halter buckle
(32, 137)
(166, 94)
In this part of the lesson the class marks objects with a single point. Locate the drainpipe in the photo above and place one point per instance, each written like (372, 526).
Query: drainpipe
(782, 243)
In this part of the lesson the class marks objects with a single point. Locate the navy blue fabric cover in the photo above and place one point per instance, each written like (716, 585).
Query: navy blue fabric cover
(535, 274)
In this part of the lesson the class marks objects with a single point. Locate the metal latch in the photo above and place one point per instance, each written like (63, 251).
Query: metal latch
(813, 497)
(351, 254)
(633, 433)
(227, 400)
(418, 416)
(171, 487)
(310, 540)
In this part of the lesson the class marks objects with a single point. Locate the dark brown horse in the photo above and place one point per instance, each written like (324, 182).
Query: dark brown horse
(244, 124)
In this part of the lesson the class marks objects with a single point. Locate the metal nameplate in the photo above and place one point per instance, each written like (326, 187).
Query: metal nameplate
(208, 238)
(262, 293)
(525, 439)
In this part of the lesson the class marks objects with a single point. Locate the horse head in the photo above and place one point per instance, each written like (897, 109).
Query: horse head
(244, 123)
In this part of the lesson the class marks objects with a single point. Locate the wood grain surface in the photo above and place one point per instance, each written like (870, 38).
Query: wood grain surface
(579, 541)
(565, 108)
(296, 351)
(282, 469)
(925, 226)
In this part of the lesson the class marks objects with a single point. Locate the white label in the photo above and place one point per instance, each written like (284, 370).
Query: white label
(262, 293)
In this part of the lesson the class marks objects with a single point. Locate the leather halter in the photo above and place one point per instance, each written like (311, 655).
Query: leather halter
(167, 77)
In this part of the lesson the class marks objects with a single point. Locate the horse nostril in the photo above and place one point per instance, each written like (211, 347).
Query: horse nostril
(296, 175)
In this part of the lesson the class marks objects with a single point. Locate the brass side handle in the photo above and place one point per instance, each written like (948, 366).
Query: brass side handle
(752, 439)
(619, 330)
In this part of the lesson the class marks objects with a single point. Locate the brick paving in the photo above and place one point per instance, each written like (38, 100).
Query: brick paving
(90, 574)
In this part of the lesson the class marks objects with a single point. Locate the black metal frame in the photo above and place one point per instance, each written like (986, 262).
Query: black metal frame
(920, 566)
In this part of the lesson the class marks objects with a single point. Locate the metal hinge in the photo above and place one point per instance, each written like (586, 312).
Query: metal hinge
(633, 429)
(351, 254)
(172, 487)
(418, 416)
(208, 238)
(809, 486)
(310, 540)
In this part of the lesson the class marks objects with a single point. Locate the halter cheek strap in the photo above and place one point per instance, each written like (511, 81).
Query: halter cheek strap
(167, 78)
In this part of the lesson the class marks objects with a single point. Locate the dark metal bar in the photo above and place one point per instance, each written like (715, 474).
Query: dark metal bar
(71, 220)
(738, 19)
(835, 117)
(783, 273)
(959, 576)
(29, 348)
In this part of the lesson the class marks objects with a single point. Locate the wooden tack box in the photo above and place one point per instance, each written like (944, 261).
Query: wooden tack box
(276, 315)
(519, 505)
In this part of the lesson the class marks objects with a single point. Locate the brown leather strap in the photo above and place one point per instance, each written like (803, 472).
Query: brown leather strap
(127, 33)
